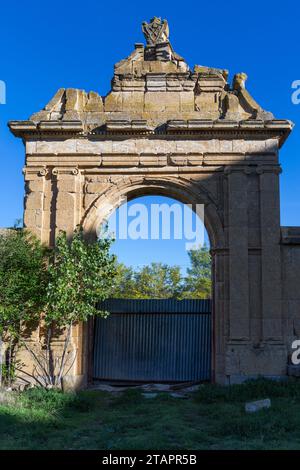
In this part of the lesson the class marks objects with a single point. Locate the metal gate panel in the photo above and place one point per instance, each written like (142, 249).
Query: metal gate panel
(161, 346)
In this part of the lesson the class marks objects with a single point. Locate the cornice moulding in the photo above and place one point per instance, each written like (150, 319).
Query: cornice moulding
(199, 128)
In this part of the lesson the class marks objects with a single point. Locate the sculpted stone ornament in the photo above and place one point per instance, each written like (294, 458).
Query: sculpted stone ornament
(157, 38)
(239, 81)
(156, 32)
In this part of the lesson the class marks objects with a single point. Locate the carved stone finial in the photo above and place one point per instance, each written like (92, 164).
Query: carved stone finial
(239, 81)
(156, 32)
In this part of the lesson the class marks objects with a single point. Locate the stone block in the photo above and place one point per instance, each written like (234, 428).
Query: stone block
(33, 218)
(208, 105)
(156, 82)
(162, 101)
(148, 395)
(93, 147)
(75, 99)
(189, 85)
(296, 322)
(264, 360)
(65, 220)
(133, 101)
(240, 145)
(65, 201)
(195, 160)
(47, 215)
(153, 161)
(34, 200)
(56, 147)
(67, 184)
(187, 101)
(116, 160)
(94, 102)
(156, 66)
(72, 115)
(132, 85)
(180, 160)
(272, 328)
(238, 239)
(271, 145)
(30, 147)
(293, 370)
(56, 102)
(94, 118)
(71, 99)
(199, 146)
(96, 188)
(43, 116)
(89, 199)
(254, 406)
(113, 102)
(124, 147)
(35, 185)
(225, 146)
(156, 146)
(174, 85)
(254, 237)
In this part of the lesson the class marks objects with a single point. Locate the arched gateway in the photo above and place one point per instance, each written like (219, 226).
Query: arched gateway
(189, 134)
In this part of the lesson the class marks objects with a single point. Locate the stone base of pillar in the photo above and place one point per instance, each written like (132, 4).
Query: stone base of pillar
(74, 382)
(246, 361)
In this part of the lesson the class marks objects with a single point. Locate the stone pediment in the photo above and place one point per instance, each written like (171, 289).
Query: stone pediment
(153, 86)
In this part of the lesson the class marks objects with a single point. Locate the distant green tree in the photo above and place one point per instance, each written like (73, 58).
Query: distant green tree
(124, 284)
(161, 281)
(156, 281)
(197, 283)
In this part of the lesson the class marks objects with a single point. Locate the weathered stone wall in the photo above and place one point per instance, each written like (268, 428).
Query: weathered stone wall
(290, 253)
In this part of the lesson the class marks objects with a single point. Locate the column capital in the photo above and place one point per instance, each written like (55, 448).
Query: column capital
(57, 171)
(33, 172)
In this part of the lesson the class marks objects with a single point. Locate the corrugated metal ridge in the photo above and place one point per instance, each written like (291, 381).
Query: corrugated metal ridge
(156, 305)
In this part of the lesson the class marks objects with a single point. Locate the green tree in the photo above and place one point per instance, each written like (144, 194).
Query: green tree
(160, 280)
(124, 284)
(23, 280)
(57, 288)
(157, 281)
(80, 274)
(197, 283)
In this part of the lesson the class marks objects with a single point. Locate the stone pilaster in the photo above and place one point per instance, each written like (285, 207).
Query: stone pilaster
(219, 313)
(35, 180)
(68, 196)
(239, 323)
(270, 255)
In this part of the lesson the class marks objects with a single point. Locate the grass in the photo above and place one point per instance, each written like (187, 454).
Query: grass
(212, 418)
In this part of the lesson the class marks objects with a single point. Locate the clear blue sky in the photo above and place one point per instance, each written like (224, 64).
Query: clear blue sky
(48, 45)
(185, 227)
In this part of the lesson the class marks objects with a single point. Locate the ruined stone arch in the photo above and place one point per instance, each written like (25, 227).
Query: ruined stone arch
(181, 190)
(189, 134)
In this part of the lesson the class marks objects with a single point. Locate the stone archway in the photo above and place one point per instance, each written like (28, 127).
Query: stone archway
(186, 192)
(182, 190)
(191, 135)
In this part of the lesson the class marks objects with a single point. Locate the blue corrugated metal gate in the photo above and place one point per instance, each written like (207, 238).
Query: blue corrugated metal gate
(153, 340)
